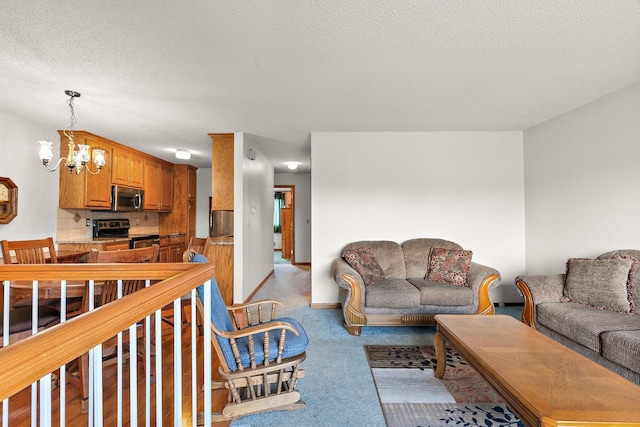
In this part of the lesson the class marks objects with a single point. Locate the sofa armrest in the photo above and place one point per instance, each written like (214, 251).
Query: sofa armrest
(481, 278)
(353, 305)
(537, 289)
(345, 275)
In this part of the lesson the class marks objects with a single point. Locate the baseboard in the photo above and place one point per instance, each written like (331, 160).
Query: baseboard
(327, 305)
(255, 291)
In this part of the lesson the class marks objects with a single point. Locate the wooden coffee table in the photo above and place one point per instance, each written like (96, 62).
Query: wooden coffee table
(543, 382)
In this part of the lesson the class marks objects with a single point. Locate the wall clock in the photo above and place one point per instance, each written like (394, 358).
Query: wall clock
(8, 200)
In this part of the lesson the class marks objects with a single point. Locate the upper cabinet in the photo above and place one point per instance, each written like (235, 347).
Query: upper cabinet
(182, 219)
(221, 171)
(158, 185)
(127, 167)
(86, 190)
(124, 166)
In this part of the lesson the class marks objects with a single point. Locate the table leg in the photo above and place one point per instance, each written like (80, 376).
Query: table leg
(441, 355)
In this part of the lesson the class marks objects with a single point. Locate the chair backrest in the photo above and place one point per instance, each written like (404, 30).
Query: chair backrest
(110, 288)
(220, 321)
(148, 254)
(197, 245)
(37, 251)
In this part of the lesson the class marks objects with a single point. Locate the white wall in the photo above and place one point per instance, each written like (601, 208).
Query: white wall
(253, 220)
(461, 186)
(37, 189)
(581, 180)
(203, 192)
(302, 201)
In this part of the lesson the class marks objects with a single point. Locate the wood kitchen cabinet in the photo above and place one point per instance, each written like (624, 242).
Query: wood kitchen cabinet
(86, 190)
(127, 167)
(222, 154)
(164, 249)
(124, 166)
(182, 218)
(172, 247)
(158, 185)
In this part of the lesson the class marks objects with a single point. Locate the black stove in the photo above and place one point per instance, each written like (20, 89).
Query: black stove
(119, 228)
(103, 228)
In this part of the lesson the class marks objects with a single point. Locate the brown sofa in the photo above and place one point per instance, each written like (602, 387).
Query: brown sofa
(404, 296)
(602, 323)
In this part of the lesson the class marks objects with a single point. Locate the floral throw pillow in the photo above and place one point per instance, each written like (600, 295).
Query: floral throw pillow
(364, 262)
(449, 266)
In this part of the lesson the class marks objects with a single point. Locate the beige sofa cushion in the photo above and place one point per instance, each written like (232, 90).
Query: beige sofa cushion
(392, 293)
(388, 254)
(416, 254)
(601, 283)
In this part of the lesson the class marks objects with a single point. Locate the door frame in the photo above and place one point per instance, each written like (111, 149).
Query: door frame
(291, 188)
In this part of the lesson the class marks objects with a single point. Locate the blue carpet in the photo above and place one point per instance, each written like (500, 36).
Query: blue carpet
(338, 387)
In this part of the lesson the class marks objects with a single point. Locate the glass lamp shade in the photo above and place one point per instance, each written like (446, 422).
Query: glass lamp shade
(83, 154)
(46, 152)
(98, 158)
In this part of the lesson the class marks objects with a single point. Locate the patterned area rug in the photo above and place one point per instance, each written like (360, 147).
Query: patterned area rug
(411, 396)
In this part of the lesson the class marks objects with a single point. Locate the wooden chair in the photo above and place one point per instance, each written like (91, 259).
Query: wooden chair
(29, 251)
(241, 337)
(197, 245)
(35, 251)
(109, 293)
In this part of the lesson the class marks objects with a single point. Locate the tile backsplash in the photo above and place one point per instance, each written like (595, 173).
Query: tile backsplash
(72, 223)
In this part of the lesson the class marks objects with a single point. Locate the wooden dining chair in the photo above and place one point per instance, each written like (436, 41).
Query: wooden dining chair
(37, 251)
(197, 245)
(109, 293)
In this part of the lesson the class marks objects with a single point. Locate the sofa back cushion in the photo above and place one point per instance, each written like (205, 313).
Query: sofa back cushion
(635, 281)
(603, 283)
(416, 254)
(387, 254)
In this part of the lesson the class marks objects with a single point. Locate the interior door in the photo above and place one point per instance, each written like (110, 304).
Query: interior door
(286, 221)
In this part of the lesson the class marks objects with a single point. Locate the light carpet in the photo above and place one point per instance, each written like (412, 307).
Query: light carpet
(410, 395)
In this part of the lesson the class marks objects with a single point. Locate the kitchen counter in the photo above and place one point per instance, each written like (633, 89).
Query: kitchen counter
(97, 240)
(222, 240)
(100, 244)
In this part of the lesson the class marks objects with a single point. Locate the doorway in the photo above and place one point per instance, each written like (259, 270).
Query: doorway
(284, 215)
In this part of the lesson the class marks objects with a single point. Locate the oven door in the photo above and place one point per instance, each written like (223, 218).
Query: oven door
(144, 242)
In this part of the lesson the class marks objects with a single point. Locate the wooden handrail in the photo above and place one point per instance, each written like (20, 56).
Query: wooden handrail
(84, 332)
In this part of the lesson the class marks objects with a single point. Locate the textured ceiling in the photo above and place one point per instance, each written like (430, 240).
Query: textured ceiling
(159, 75)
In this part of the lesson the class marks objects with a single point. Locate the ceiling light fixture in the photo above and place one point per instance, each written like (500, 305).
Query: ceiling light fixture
(76, 159)
(292, 165)
(183, 154)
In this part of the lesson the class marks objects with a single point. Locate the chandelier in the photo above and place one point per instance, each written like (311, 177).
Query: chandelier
(77, 158)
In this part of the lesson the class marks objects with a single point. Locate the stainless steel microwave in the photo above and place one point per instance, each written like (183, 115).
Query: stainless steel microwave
(126, 199)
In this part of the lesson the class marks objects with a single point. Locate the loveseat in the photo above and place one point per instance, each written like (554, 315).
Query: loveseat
(591, 308)
(384, 283)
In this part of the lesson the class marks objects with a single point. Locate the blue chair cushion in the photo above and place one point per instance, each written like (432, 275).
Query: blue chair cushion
(294, 344)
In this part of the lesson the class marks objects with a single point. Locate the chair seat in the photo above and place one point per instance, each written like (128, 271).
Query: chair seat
(294, 345)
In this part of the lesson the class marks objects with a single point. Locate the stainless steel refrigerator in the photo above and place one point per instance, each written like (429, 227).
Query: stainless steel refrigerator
(220, 223)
